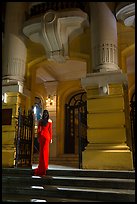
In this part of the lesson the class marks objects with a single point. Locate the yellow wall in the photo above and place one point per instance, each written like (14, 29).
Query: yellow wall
(36, 89)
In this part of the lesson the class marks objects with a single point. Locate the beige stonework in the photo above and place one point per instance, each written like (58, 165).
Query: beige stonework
(107, 129)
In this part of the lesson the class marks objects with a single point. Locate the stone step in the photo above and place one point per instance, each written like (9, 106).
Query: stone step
(71, 160)
(73, 172)
(74, 164)
(112, 183)
(30, 198)
(73, 193)
(92, 173)
(65, 157)
(76, 185)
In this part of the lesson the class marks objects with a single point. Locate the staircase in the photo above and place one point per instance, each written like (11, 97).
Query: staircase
(68, 185)
(65, 160)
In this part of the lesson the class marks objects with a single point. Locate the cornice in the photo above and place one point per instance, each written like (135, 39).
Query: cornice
(126, 13)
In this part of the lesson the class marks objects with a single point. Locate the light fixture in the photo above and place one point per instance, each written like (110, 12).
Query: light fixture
(49, 100)
(4, 97)
(103, 89)
(35, 110)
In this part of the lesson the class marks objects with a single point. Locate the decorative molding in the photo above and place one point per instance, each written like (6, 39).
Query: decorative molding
(12, 86)
(126, 13)
(106, 57)
(15, 69)
(14, 59)
(54, 29)
(102, 80)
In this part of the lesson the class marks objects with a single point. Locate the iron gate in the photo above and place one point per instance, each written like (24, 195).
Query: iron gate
(24, 139)
(132, 119)
(82, 133)
(76, 125)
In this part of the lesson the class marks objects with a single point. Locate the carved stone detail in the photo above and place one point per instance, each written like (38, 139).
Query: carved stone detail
(125, 12)
(106, 57)
(54, 29)
(14, 62)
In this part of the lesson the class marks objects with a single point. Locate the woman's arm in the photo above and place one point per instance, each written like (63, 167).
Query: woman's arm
(50, 129)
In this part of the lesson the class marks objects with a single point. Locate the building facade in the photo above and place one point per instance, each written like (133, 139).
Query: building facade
(76, 59)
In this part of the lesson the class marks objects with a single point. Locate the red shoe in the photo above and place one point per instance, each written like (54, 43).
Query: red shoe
(44, 175)
(37, 173)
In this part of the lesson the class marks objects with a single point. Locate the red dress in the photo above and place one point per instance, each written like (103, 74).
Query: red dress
(45, 138)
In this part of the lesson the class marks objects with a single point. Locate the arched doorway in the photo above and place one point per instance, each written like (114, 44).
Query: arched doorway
(75, 124)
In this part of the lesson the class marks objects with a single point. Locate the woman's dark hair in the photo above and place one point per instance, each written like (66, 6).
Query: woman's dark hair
(45, 118)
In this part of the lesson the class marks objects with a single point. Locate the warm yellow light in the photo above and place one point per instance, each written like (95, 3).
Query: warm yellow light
(4, 97)
(49, 100)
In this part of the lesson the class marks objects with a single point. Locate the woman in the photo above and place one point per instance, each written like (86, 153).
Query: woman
(44, 138)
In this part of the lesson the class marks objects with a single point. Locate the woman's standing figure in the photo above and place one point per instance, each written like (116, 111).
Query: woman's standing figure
(44, 139)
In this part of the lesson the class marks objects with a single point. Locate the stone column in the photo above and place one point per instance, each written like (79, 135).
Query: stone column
(107, 123)
(13, 72)
(51, 88)
(14, 62)
(104, 38)
(14, 49)
(106, 119)
(14, 54)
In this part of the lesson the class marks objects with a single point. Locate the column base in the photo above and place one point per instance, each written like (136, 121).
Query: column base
(107, 159)
(8, 157)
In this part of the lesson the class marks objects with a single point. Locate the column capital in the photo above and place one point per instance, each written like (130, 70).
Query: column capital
(101, 79)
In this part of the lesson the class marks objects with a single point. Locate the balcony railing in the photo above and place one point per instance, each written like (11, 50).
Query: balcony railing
(42, 7)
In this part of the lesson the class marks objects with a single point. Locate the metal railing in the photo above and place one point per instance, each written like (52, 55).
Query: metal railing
(24, 138)
(132, 120)
(43, 7)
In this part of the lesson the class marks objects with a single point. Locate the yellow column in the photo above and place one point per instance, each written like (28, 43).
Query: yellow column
(106, 133)
(14, 100)
(108, 129)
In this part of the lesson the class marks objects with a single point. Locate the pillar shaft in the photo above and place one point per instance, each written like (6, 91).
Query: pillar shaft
(107, 130)
(14, 51)
(104, 38)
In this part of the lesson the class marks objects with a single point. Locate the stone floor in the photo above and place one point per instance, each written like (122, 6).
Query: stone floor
(52, 166)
